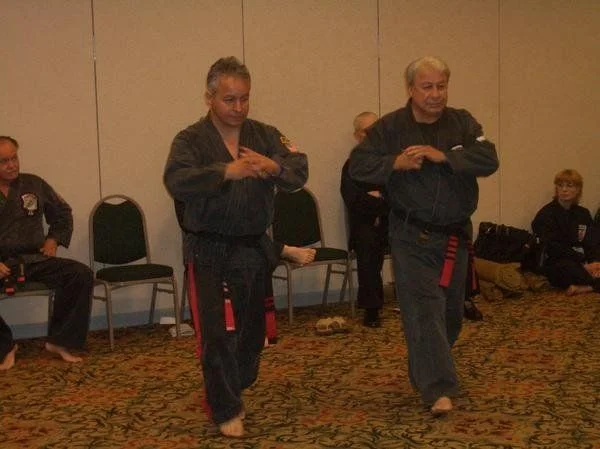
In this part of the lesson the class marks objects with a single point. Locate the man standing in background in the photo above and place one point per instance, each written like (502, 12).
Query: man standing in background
(225, 168)
(368, 228)
(428, 156)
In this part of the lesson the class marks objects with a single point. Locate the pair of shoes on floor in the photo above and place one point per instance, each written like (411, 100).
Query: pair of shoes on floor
(371, 318)
(334, 325)
(472, 312)
(441, 407)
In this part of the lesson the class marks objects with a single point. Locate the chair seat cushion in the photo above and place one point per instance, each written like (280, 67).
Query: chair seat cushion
(330, 254)
(127, 273)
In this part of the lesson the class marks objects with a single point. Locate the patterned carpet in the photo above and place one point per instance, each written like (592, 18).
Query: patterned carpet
(530, 376)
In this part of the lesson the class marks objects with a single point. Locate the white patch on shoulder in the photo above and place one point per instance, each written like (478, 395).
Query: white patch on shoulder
(481, 139)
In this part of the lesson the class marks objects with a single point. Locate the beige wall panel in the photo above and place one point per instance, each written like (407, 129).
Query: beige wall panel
(549, 101)
(464, 34)
(314, 67)
(152, 59)
(47, 97)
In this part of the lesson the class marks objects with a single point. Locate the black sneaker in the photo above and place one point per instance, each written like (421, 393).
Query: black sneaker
(472, 312)
(371, 318)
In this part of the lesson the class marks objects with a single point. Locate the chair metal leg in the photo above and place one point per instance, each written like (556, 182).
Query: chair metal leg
(153, 303)
(111, 333)
(289, 296)
(176, 307)
(326, 289)
(184, 289)
(349, 275)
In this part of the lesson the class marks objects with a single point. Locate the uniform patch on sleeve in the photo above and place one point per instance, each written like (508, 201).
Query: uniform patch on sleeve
(457, 147)
(481, 139)
(581, 231)
(288, 144)
(29, 203)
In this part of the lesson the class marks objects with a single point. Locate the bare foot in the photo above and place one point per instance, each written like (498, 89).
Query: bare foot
(9, 359)
(442, 406)
(232, 428)
(63, 353)
(579, 289)
(297, 254)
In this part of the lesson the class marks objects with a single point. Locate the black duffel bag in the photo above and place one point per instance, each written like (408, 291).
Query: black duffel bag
(506, 244)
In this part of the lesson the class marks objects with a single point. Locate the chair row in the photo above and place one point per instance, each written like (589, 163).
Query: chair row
(119, 258)
(120, 254)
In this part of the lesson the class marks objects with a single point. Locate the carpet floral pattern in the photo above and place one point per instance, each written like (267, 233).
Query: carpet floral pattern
(530, 376)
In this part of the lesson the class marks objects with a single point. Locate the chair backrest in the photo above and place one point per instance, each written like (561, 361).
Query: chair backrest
(117, 231)
(296, 221)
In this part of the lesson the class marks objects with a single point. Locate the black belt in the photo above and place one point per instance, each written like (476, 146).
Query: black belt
(449, 229)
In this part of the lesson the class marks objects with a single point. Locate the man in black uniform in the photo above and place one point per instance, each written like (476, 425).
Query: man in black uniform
(225, 168)
(25, 200)
(368, 229)
(428, 156)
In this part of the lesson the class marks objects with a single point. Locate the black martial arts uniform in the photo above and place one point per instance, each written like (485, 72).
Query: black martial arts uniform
(571, 239)
(368, 236)
(429, 230)
(227, 221)
(30, 200)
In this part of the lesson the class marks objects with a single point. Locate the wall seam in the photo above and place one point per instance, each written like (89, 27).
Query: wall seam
(378, 18)
(499, 94)
(98, 154)
(243, 34)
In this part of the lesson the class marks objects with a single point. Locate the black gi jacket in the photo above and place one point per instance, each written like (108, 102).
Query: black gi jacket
(441, 194)
(567, 233)
(363, 209)
(194, 174)
(30, 201)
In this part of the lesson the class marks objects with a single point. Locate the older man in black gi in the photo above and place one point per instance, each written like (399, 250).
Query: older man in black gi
(25, 200)
(428, 156)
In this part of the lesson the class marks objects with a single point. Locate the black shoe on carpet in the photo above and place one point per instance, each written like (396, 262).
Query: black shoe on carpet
(371, 318)
(472, 312)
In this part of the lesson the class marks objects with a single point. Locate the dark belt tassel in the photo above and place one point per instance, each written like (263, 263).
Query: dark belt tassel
(449, 261)
(229, 319)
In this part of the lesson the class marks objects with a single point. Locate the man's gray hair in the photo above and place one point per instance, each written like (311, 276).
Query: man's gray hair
(225, 66)
(426, 61)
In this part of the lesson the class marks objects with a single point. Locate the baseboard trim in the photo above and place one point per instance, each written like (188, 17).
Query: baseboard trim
(98, 322)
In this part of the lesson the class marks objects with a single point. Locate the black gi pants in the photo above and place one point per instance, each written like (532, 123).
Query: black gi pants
(230, 358)
(73, 283)
(564, 273)
(370, 243)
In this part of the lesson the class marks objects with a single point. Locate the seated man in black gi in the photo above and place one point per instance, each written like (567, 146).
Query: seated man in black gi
(25, 200)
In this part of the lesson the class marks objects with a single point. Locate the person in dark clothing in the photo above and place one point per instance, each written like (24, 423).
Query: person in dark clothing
(570, 238)
(428, 156)
(225, 168)
(25, 201)
(368, 228)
